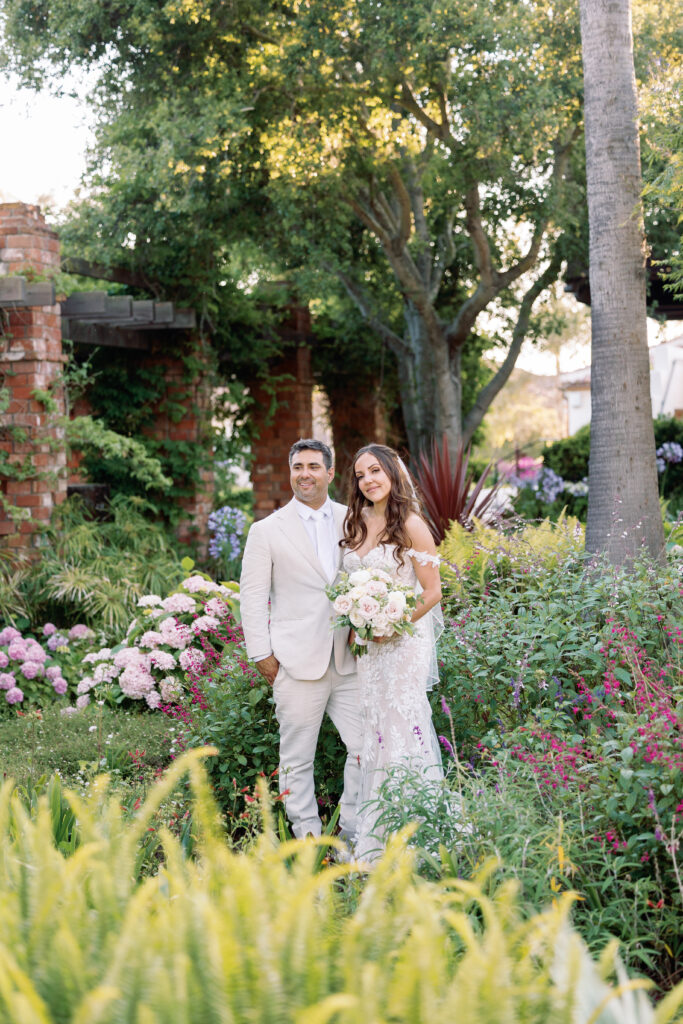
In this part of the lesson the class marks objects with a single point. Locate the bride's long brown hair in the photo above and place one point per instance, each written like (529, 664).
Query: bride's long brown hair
(401, 502)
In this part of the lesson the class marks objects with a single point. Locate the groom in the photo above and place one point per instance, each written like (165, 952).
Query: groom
(289, 559)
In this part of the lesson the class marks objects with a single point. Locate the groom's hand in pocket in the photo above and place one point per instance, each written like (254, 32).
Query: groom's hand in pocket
(268, 668)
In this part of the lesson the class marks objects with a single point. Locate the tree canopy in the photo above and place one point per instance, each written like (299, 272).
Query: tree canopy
(420, 156)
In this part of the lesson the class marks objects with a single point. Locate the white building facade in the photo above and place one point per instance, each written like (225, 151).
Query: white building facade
(666, 386)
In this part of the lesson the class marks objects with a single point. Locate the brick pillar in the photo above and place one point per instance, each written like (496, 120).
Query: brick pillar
(192, 428)
(30, 358)
(275, 435)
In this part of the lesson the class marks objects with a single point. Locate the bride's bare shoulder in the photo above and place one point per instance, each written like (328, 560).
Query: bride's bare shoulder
(420, 535)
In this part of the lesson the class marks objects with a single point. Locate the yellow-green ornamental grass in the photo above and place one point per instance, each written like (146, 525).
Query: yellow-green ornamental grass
(260, 937)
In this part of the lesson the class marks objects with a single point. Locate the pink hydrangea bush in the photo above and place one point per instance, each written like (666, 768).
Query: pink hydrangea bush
(167, 645)
(38, 671)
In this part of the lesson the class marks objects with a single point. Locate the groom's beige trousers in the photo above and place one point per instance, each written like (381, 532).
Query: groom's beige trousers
(300, 705)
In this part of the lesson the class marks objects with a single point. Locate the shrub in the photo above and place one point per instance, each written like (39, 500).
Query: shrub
(173, 639)
(35, 672)
(94, 572)
(447, 489)
(236, 714)
(260, 937)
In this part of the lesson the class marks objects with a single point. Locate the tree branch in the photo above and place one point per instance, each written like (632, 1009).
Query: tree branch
(490, 390)
(367, 310)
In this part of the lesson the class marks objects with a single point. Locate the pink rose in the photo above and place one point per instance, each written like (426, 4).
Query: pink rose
(368, 607)
(343, 604)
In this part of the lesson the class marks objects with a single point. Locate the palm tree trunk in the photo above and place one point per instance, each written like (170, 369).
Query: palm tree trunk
(623, 506)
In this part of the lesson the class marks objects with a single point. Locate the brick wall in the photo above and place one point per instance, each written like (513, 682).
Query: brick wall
(30, 358)
(275, 435)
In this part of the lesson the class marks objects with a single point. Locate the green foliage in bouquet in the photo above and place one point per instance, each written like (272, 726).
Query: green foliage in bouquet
(263, 937)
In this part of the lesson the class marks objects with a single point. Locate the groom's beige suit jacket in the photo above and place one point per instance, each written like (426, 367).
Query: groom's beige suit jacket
(280, 566)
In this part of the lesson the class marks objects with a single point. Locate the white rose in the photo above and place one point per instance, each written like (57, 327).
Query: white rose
(381, 625)
(343, 604)
(397, 597)
(375, 588)
(368, 607)
(359, 577)
(357, 594)
(356, 619)
(394, 610)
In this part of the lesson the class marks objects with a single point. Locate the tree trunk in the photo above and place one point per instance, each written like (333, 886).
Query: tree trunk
(430, 387)
(623, 506)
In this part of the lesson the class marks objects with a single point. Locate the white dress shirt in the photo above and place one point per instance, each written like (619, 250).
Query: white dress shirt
(321, 529)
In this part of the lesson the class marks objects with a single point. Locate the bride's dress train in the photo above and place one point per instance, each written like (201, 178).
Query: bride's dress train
(396, 717)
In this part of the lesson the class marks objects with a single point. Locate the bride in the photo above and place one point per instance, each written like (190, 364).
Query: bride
(383, 530)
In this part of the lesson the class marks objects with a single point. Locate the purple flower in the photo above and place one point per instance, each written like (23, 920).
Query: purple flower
(49, 628)
(7, 681)
(9, 634)
(15, 695)
(446, 745)
(57, 640)
(444, 707)
(59, 685)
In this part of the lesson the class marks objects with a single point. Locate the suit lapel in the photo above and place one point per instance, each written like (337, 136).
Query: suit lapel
(291, 525)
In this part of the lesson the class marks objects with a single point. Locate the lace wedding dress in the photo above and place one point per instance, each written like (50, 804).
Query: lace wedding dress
(396, 718)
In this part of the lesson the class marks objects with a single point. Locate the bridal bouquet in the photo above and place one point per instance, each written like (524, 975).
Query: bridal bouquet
(373, 603)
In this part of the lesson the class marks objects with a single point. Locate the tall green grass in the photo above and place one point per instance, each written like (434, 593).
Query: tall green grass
(261, 938)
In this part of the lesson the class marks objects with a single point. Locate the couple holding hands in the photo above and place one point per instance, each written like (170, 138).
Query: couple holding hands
(378, 702)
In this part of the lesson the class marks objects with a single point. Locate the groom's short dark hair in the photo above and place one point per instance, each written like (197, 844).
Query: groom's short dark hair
(310, 444)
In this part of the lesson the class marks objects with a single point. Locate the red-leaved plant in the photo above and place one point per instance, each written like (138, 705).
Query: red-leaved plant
(447, 491)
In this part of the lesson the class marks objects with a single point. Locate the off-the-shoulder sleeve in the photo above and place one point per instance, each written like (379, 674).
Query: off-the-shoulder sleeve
(423, 557)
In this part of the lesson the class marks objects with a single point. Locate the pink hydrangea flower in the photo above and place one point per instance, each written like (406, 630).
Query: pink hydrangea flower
(198, 585)
(31, 669)
(135, 681)
(34, 652)
(80, 632)
(53, 672)
(175, 634)
(7, 681)
(170, 688)
(105, 672)
(59, 685)
(150, 639)
(217, 607)
(149, 601)
(153, 699)
(17, 650)
(163, 660)
(15, 695)
(8, 634)
(82, 701)
(178, 604)
(4, 660)
(49, 628)
(85, 685)
(204, 622)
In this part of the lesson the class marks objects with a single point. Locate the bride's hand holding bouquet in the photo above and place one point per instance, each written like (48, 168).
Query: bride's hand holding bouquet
(374, 605)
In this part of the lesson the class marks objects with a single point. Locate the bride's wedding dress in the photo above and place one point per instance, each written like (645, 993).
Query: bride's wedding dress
(396, 718)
